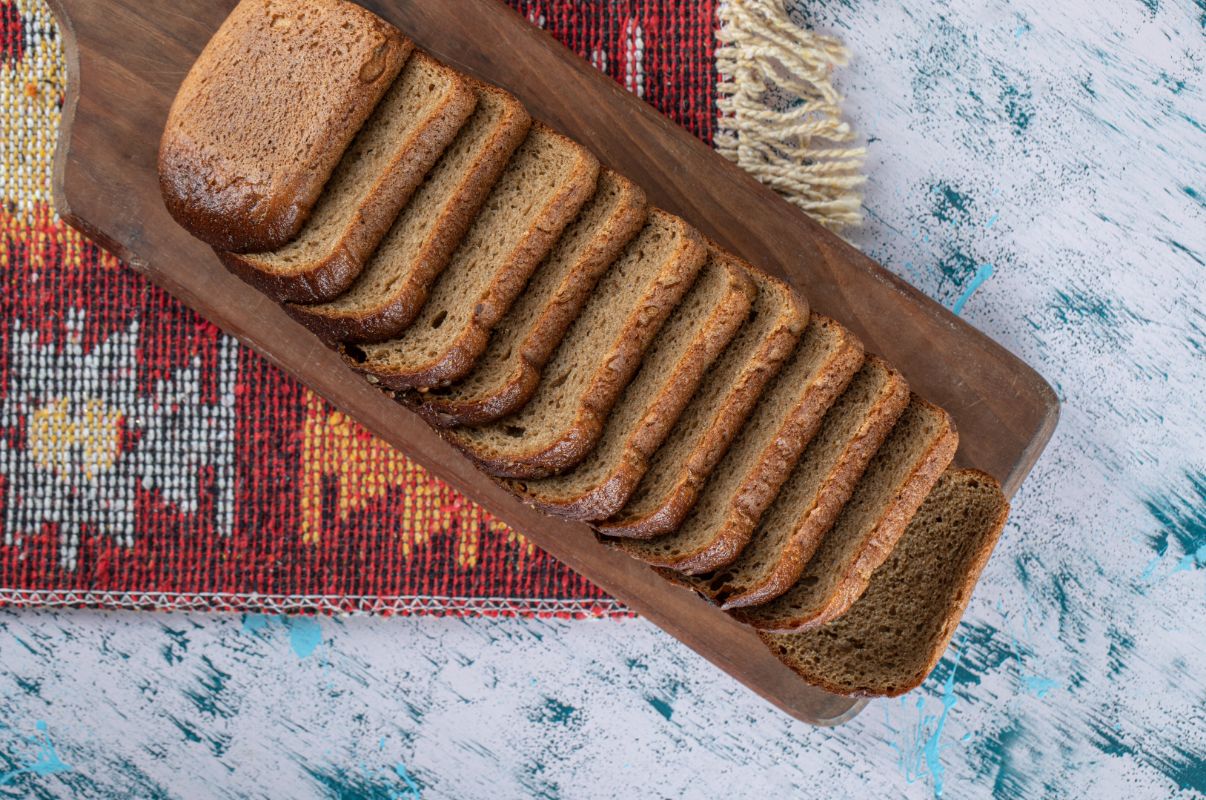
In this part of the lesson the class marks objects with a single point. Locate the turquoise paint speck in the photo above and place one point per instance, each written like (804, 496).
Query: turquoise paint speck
(922, 755)
(932, 756)
(305, 635)
(46, 760)
(1039, 685)
(254, 623)
(411, 786)
(982, 274)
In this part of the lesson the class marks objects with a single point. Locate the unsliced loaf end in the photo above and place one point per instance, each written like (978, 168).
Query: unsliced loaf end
(547, 182)
(242, 175)
(522, 343)
(749, 476)
(895, 634)
(396, 147)
(387, 296)
(704, 431)
(671, 371)
(597, 358)
(904, 469)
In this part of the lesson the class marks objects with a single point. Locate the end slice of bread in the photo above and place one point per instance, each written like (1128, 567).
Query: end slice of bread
(242, 174)
(819, 486)
(894, 635)
(747, 479)
(544, 186)
(681, 466)
(694, 335)
(526, 338)
(388, 294)
(411, 126)
(897, 480)
(595, 361)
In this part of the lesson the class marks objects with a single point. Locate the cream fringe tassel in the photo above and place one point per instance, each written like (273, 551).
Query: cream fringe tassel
(799, 148)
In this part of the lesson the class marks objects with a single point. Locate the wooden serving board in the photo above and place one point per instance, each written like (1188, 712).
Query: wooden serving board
(126, 59)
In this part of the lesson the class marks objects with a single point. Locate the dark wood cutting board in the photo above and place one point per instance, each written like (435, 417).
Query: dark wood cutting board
(126, 59)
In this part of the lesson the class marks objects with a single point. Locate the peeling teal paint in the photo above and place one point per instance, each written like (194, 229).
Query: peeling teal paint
(1181, 515)
(951, 206)
(661, 706)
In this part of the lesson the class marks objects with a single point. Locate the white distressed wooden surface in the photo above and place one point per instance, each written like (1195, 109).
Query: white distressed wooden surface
(1041, 167)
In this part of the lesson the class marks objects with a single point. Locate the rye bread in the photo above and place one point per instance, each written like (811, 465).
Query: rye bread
(681, 466)
(902, 473)
(546, 183)
(695, 334)
(747, 479)
(819, 486)
(385, 163)
(895, 634)
(525, 339)
(388, 294)
(597, 358)
(266, 112)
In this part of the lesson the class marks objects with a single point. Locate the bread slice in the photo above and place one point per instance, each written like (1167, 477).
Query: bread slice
(694, 335)
(387, 295)
(266, 112)
(597, 358)
(822, 482)
(901, 474)
(544, 186)
(761, 457)
(681, 466)
(894, 635)
(527, 336)
(385, 163)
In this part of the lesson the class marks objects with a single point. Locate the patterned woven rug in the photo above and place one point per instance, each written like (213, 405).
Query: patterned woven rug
(149, 461)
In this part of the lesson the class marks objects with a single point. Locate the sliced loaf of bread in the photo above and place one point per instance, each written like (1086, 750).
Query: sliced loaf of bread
(386, 161)
(527, 336)
(694, 335)
(266, 112)
(895, 633)
(597, 358)
(387, 295)
(822, 482)
(747, 479)
(681, 466)
(901, 474)
(544, 186)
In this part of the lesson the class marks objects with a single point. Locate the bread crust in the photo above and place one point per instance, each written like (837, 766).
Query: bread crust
(541, 341)
(733, 411)
(761, 484)
(393, 315)
(328, 277)
(891, 526)
(962, 595)
(568, 450)
(605, 498)
(199, 179)
(814, 522)
(456, 362)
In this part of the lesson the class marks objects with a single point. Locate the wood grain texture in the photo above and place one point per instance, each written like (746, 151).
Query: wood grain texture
(126, 59)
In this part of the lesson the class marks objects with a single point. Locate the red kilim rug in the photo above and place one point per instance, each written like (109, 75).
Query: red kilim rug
(149, 461)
